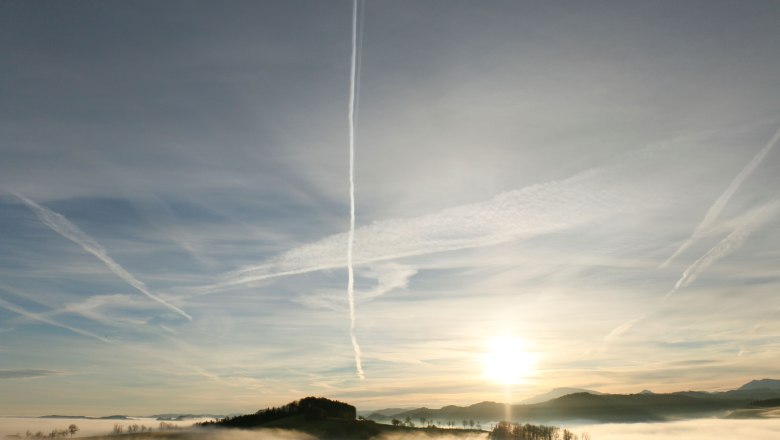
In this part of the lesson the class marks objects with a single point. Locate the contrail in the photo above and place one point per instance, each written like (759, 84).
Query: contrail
(351, 237)
(726, 246)
(622, 328)
(720, 203)
(34, 316)
(61, 225)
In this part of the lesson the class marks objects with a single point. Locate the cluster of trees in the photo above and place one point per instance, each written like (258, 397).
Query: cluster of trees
(131, 429)
(167, 426)
(313, 408)
(55, 433)
(516, 431)
(427, 423)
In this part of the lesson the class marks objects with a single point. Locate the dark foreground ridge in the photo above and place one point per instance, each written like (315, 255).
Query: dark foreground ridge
(324, 419)
(310, 408)
(321, 418)
(329, 419)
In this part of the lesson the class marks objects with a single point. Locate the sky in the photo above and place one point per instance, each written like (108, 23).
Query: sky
(596, 181)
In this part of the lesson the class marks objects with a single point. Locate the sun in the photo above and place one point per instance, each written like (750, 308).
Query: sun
(507, 360)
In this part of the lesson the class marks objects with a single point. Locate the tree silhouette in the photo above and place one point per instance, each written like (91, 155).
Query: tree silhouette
(515, 431)
(72, 429)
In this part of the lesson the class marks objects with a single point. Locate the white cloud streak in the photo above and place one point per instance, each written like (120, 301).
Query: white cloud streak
(61, 225)
(717, 207)
(351, 238)
(752, 221)
(26, 373)
(622, 328)
(513, 215)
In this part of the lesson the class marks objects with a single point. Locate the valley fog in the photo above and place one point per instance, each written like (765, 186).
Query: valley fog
(700, 429)
(10, 426)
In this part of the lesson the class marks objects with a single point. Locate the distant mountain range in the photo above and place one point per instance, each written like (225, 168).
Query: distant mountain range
(117, 417)
(761, 384)
(556, 393)
(172, 417)
(646, 406)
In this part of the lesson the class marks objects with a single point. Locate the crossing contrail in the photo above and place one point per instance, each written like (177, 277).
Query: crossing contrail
(61, 225)
(726, 246)
(351, 237)
(38, 317)
(720, 203)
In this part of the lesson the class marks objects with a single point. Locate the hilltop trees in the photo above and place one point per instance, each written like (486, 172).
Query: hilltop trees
(312, 408)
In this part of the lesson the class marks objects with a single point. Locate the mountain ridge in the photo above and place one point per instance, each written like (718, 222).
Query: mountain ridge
(607, 408)
(557, 392)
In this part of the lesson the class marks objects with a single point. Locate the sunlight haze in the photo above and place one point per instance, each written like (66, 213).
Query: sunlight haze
(546, 194)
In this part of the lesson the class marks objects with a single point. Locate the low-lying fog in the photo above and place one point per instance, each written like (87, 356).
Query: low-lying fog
(87, 427)
(700, 429)
(697, 429)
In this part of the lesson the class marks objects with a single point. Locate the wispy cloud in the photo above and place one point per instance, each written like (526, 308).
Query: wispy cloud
(622, 328)
(751, 221)
(519, 214)
(389, 276)
(37, 317)
(25, 373)
(717, 207)
(61, 225)
(92, 307)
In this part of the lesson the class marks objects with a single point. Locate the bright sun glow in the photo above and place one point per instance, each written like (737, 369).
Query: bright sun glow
(507, 360)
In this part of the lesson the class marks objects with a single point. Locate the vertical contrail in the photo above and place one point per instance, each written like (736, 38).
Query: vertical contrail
(724, 198)
(351, 237)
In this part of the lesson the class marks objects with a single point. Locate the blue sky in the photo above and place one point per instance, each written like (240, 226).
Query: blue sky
(175, 207)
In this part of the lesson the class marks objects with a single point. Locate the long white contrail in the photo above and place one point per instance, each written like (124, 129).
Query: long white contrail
(717, 207)
(351, 237)
(726, 246)
(61, 225)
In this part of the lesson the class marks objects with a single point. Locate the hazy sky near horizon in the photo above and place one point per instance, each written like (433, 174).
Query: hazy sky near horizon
(174, 200)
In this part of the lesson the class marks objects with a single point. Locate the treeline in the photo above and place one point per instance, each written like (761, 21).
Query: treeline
(427, 423)
(131, 429)
(313, 408)
(55, 433)
(517, 431)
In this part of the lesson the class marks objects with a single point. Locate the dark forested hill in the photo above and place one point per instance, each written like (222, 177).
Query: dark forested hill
(321, 418)
(309, 408)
